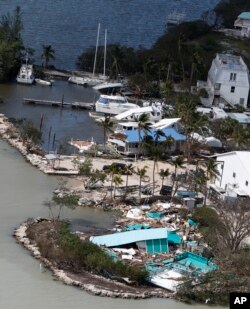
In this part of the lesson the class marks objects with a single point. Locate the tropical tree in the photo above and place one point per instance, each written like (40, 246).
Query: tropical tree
(164, 174)
(112, 170)
(11, 44)
(143, 126)
(68, 200)
(48, 54)
(117, 181)
(177, 162)
(129, 170)
(142, 173)
(167, 90)
(107, 125)
(191, 120)
(211, 173)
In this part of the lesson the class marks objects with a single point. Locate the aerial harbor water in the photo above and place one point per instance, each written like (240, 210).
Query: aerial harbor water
(71, 26)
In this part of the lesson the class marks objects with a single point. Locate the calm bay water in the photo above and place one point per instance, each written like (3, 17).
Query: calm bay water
(70, 26)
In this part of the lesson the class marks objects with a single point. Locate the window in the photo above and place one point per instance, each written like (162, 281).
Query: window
(217, 86)
(242, 101)
(232, 89)
(234, 175)
(232, 77)
(246, 183)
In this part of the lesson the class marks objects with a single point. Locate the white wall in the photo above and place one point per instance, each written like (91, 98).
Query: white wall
(221, 75)
(232, 164)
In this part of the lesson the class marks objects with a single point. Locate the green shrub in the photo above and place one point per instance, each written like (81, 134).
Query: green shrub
(92, 258)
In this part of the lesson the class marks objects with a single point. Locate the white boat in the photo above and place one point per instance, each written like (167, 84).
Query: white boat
(108, 87)
(26, 74)
(175, 18)
(43, 82)
(78, 80)
(154, 113)
(113, 105)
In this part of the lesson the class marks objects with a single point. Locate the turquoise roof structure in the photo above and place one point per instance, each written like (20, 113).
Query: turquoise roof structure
(123, 238)
(174, 238)
(244, 15)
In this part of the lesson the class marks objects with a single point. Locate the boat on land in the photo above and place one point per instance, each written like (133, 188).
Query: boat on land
(26, 74)
(113, 104)
(43, 82)
(154, 113)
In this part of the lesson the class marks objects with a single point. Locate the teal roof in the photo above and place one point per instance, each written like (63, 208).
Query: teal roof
(123, 238)
(244, 15)
(174, 238)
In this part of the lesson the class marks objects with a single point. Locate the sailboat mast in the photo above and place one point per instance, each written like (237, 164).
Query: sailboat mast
(105, 52)
(96, 48)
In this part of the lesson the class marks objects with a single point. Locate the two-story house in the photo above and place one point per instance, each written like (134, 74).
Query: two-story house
(228, 81)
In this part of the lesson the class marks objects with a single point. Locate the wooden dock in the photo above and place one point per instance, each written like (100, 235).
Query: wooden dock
(62, 104)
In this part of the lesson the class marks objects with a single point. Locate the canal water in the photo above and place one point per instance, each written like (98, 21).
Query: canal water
(70, 26)
(22, 190)
(65, 123)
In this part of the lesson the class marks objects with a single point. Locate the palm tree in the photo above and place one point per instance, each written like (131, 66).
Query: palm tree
(129, 170)
(107, 125)
(117, 181)
(143, 126)
(112, 170)
(211, 172)
(157, 135)
(48, 53)
(142, 173)
(164, 174)
(178, 162)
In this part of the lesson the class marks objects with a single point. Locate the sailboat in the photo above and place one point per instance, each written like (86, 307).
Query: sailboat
(92, 80)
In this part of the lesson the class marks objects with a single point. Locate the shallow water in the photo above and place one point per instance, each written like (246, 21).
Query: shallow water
(23, 190)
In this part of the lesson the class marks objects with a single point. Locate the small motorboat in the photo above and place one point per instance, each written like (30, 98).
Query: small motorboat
(43, 82)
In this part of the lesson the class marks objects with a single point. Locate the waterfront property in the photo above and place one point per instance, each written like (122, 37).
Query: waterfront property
(127, 143)
(179, 269)
(243, 23)
(234, 169)
(227, 81)
(151, 240)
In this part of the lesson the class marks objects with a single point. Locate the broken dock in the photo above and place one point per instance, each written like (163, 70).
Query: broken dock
(74, 105)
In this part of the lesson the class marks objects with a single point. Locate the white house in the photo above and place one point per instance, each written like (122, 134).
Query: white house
(243, 23)
(227, 81)
(234, 169)
(126, 138)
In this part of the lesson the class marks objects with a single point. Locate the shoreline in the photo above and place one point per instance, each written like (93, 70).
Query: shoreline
(98, 289)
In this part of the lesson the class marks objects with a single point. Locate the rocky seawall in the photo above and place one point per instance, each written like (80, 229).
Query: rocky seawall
(101, 284)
